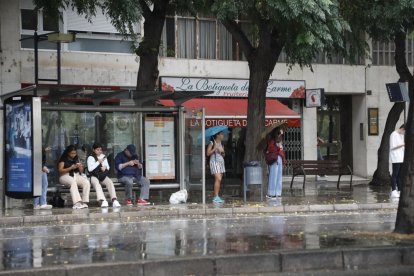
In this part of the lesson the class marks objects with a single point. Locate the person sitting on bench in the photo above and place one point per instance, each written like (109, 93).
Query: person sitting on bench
(129, 169)
(70, 171)
(98, 168)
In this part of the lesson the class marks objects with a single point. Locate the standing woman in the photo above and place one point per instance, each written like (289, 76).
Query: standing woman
(70, 170)
(275, 170)
(215, 151)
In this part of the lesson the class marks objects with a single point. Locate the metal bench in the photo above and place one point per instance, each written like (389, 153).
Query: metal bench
(320, 167)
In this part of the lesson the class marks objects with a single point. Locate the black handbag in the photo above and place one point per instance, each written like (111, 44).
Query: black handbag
(98, 173)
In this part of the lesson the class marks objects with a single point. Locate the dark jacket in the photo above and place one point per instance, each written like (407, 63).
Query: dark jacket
(132, 171)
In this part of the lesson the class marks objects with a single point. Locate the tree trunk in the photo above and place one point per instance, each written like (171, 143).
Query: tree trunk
(405, 214)
(382, 174)
(148, 49)
(261, 65)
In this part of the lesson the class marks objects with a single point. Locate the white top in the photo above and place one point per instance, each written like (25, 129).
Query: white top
(92, 164)
(217, 155)
(396, 147)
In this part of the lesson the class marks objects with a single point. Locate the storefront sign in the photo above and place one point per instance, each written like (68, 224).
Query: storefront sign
(314, 97)
(239, 122)
(234, 87)
(159, 147)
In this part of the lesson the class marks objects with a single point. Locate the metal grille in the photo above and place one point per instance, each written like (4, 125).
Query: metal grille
(293, 147)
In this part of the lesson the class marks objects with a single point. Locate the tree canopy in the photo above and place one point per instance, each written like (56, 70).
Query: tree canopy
(301, 28)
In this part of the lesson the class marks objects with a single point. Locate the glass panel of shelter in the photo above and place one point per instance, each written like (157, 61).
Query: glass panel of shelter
(114, 130)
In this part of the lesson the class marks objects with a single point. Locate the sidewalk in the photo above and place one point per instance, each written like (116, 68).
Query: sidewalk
(318, 196)
(318, 231)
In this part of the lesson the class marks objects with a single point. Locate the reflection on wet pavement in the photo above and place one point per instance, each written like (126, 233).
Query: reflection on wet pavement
(114, 241)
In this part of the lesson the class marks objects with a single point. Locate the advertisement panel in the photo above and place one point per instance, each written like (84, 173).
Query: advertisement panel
(234, 87)
(159, 147)
(23, 147)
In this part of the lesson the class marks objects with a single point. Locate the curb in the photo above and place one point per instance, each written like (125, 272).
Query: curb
(47, 216)
(356, 261)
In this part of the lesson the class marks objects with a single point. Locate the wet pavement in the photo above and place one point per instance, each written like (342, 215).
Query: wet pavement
(319, 218)
(160, 238)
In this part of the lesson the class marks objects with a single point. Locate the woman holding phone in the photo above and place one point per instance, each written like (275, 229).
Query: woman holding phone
(70, 171)
(98, 168)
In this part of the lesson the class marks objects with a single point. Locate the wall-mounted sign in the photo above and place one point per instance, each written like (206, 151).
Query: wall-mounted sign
(398, 91)
(314, 97)
(159, 147)
(23, 142)
(234, 87)
(373, 121)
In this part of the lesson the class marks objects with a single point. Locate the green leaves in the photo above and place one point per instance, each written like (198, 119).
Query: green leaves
(304, 27)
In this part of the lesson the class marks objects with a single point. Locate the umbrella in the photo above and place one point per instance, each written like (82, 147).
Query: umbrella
(264, 135)
(212, 131)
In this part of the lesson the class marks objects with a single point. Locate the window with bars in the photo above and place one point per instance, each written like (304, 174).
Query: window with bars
(198, 38)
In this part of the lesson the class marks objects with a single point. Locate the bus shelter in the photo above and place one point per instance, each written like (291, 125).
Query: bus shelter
(117, 117)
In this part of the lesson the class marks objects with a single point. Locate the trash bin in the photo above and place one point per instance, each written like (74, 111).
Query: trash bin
(252, 175)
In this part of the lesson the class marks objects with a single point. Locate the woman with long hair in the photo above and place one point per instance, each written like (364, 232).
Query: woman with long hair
(275, 170)
(215, 151)
(70, 171)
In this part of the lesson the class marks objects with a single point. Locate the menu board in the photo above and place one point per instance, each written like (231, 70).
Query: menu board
(159, 147)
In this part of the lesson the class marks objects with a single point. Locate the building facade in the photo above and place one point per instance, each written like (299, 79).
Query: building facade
(202, 48)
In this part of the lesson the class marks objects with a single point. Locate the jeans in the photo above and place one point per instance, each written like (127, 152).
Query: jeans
(395, 178)
(41, 200)
(275, 178)
(128, 181)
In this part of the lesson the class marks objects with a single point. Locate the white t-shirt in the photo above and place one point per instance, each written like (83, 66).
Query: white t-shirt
(396, 154)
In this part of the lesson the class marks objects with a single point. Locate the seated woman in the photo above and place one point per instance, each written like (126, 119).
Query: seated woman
(70, 171)
(98, 168)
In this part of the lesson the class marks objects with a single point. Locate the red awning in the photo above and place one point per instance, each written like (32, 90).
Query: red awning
(233, 112)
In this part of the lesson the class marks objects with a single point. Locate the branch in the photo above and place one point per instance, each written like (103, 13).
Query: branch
(160, 7)
(239, 36)
(400, 61)
(146, 11)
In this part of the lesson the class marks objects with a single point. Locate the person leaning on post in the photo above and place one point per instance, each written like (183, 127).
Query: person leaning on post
(129, 169)
(98, 168)
(70, 171)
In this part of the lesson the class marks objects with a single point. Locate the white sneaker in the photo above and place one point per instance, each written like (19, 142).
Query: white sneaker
(395, 194)
(104, 204)
(36, 207)
(46, 206)
(84, 205)
(115, 204)
(78, 205)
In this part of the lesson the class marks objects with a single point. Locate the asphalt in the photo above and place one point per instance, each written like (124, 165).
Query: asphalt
(313, 231)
